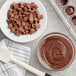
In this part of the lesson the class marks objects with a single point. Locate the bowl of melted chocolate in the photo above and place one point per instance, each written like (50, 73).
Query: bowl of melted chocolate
(56, 51)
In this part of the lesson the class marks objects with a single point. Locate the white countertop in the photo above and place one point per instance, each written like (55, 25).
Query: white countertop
(55, 24)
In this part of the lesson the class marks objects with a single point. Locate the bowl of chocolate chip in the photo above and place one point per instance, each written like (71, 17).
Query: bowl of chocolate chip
(23, 20)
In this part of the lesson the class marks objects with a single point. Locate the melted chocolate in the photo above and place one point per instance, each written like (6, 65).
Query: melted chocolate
(74, 20)
(56, 51)
(63, 2)
(69, 10)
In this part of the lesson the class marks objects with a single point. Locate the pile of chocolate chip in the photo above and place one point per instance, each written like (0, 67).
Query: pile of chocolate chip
(23, 18)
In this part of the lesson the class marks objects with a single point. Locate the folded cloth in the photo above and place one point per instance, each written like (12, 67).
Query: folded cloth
(21, 52)
(8, 69)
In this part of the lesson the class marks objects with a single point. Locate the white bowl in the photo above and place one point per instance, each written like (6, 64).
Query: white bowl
(22, 38)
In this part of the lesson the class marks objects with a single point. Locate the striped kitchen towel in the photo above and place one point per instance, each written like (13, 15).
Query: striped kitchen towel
(21, 52)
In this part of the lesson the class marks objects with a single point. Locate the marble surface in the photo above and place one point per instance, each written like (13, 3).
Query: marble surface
(54, 24)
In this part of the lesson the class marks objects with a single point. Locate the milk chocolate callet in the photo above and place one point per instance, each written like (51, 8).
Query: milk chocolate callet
(23, 18)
